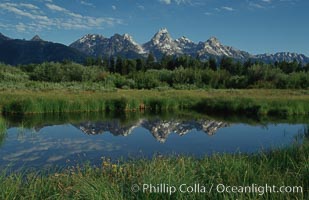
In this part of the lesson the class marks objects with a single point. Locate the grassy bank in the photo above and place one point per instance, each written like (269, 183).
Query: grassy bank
(251, 102)
(287, 167)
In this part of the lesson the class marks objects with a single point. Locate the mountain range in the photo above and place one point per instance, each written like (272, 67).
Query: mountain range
(93, 45)
(163, 44)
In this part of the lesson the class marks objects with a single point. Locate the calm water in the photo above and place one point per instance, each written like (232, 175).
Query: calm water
(57, 142)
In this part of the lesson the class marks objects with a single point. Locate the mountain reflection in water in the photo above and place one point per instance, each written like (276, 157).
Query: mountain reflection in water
(160, 129)
(44, 141)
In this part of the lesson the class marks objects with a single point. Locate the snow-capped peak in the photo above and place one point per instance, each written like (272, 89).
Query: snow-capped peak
(162, 36)
(213, 47)
(187, 46)
(97, 45)
(163, 43)
(129, 38)
(213, 41)
(90, 37)
(184, 39)
(163, 31)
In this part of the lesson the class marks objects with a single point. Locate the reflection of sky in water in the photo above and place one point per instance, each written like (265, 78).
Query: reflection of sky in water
(66, 144)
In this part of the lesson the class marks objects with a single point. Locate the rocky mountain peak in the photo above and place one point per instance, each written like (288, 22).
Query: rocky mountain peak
(125, 42)
(163, 31)
(213, 41)
(186, 45)
(213, 47)
(162, 36)
(127, 36)
(162, 43)
(36, 38)
(90, 37)
(184, 39)
(97, 45)
(87, 44)
(130, 39)
(117, 36)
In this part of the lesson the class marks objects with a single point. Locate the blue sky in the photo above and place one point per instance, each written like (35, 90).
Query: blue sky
(256, 26)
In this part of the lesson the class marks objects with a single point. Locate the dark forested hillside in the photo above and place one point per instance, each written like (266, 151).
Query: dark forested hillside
(15, 52)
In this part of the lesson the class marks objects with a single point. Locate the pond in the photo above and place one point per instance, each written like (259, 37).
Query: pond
(40, 141)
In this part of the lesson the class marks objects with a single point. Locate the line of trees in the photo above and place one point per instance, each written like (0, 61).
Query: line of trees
(181, 72)
(127, 66)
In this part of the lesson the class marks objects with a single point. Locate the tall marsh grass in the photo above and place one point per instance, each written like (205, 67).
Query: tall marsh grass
(251, 106)
(248, 102)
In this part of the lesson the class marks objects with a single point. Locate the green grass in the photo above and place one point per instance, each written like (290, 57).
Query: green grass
(3, 128)
(248, 102)
(288, 167)
(251, 106)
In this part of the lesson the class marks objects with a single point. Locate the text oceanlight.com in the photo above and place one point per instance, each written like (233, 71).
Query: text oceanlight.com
(219, 188)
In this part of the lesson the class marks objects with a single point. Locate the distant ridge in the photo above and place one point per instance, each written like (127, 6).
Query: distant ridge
(15, 51)
(3, 37)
